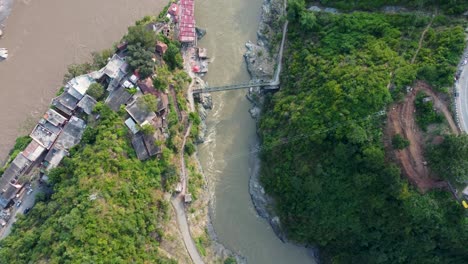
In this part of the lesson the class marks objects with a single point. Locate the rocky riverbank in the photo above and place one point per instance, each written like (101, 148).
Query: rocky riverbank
(261, 65)
(200, 221)
(200, 212)
(259, 59)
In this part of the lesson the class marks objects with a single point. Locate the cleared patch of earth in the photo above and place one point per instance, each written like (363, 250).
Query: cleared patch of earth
(401, 120)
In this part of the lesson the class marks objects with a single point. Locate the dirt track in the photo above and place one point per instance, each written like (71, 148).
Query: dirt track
(401, 120)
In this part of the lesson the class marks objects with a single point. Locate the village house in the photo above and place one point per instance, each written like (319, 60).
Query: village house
(71, 134)
(146, 87)
(140, 114)
(70, 137)
(53, 132)
(65, 103)
(54, 118)
(161, 48)
(122, 47)
(151, 146)
(139, 146)
(78, 86)
(33, 151)
(9, 182)
(54, 157)
(45, 134)
(174, 9)
(118, 97)
(156, 27)
(75, 96)
(145, 146)
(112, 74)
(87, 104)
(130, 123)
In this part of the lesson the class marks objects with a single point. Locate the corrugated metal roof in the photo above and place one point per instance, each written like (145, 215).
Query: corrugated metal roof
(187, 21)
(33, 151)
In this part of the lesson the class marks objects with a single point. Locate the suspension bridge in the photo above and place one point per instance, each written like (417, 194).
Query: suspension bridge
(270, 85)
(263, 85)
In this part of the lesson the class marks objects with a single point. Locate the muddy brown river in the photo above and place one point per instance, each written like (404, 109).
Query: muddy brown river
(226, 156)
(43, 37)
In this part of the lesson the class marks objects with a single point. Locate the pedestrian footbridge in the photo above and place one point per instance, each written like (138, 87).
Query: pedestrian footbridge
(270, 85)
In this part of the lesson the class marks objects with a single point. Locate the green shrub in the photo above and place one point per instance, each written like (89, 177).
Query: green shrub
(96, 90)
(425, 113)
(190, 148)
(400, 142)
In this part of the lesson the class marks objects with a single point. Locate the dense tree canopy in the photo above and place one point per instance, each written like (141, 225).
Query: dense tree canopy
(141, 46)
(448, 6)
(172, 57)
(425, 113)
(142, 36)
(450, 159)
(107, 206)
(96, 90)
(323, 157)
(141, 59)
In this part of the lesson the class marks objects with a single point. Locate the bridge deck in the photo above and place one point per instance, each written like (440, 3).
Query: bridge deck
(270, 85)
(267, 85)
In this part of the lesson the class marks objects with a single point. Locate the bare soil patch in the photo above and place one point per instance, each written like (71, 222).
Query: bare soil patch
(401, 120)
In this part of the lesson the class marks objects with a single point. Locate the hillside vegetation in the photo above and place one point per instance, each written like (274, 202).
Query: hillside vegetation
(323, 156)
(453, 7)
(107, 206)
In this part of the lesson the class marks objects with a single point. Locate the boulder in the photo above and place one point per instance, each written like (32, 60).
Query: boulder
(201, 32)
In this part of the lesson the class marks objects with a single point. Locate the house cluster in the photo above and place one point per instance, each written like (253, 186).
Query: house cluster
(59, 129)
(62, 126)
(146, 145)
(126, 89)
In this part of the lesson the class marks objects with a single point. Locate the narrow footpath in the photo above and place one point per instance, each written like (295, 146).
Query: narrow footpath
(177, 201)
(421, 39)
(179, 207)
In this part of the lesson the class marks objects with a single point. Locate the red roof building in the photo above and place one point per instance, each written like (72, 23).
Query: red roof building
(161, 47)
(174, 9)
(187, 21)
(146, 86)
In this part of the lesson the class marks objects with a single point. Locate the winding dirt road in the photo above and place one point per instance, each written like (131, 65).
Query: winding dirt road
(401, 120)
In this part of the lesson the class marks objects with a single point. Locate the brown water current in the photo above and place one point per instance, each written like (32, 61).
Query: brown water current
(43, 37)
(226, 155)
